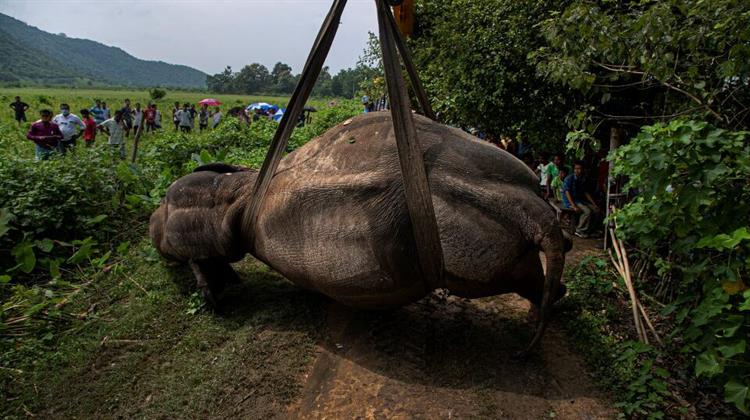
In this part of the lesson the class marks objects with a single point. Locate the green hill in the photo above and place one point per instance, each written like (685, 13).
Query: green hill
(28, 54)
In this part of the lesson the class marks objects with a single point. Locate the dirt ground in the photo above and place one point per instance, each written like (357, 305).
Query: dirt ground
(446, 358)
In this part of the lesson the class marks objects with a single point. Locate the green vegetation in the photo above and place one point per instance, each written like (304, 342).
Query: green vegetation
(691, 222)
(672, 77)
(74, 258)
(32, 56)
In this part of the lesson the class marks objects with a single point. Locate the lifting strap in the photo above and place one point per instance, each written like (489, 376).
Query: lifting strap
(416, 187)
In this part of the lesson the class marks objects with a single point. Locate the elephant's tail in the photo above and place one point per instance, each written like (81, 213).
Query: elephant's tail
(553, 245)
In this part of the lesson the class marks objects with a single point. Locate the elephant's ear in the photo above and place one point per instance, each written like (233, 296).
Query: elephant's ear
(221, 168)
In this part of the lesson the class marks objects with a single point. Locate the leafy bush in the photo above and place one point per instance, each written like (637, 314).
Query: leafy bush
(600, 326)
(156, 94)
(691, 218)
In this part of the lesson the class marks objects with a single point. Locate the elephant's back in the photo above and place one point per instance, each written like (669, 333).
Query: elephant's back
(365, 146)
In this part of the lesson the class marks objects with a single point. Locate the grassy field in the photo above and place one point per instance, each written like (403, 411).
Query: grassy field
(93, 324)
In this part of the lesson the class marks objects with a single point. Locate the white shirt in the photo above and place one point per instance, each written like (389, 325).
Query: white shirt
(68, 125)
(542, 168)
(157, 118)
(216, 119)
(137, 116)
(116, 133)
(185, 118)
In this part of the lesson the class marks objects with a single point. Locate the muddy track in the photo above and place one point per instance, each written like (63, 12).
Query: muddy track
(444, 358)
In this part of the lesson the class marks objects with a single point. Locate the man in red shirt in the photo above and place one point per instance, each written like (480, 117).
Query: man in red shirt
(150, 114)
(89, 132)
(45, 134)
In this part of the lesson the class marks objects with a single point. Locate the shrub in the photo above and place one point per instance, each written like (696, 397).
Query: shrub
(691, 218)
(157, 94)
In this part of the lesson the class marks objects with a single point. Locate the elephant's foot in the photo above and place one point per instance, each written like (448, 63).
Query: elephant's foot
(211, 277)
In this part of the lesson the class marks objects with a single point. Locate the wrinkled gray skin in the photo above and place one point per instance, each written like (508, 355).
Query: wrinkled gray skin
(335, 219)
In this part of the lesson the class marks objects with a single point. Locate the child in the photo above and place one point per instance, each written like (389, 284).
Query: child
(557, 183)
(89, 130)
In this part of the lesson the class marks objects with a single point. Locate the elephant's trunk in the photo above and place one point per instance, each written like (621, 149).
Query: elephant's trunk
(553, 245)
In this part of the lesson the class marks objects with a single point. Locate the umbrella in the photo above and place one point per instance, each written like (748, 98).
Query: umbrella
(259, 105)
(278, 115)
(209, 102)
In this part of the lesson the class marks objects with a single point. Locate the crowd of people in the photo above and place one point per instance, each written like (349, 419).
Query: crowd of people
(59, 133)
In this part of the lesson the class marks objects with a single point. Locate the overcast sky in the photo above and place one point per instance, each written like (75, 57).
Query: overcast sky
(206, 34)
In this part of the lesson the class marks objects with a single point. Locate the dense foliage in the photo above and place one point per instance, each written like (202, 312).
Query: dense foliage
(32, 55)
(691, 218)
(472, 56)
(645, 61)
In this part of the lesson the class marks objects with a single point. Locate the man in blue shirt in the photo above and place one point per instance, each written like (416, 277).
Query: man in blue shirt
(576, 197)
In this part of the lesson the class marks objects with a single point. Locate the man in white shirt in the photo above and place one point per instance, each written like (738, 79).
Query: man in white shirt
(215, 118)
(114, 127)
(69, 126)
(541, 172)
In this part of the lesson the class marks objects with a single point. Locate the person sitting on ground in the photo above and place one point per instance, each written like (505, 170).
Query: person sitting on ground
(203, 117)
(115, 129)
(576, 197)
(185, 118)
(541, 172)
(89, 133)
(69, 126)
(215, 118)
(19, 108)
(45, 134)
(137, 117)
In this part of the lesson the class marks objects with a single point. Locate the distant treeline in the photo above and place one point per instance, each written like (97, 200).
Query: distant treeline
(256, 79)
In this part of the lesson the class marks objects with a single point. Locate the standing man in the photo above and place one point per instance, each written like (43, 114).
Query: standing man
(185, 118)
(89, 133)
(127, 116)
(116, 131)
(20, 109)
(576, 197)
(97, 112)
(137, 117)
(175, 118)
(203, 117)
(45, 134)
(541, 172)
(69, 126)
(215, 118)
(553, 169)
(150, 115)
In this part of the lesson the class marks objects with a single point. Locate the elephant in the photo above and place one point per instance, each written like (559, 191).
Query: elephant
(335, 220)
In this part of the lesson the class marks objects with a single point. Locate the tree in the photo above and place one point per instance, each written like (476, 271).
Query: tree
(253, 78)
(473, 59)
(283, 79)
(221, 82)
(323, 84)
(641, 62)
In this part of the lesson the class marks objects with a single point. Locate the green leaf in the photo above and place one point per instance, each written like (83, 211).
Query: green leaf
(96, 220)
(707, 364)
(736, 393)
(83, 252)
(54, 268)
(5, 218)
(738, 347)
(25, 257)
(4, 279)
(45, 245)
(123, 247)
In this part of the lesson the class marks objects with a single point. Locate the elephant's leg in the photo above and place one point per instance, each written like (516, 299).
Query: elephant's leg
(212, 277)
